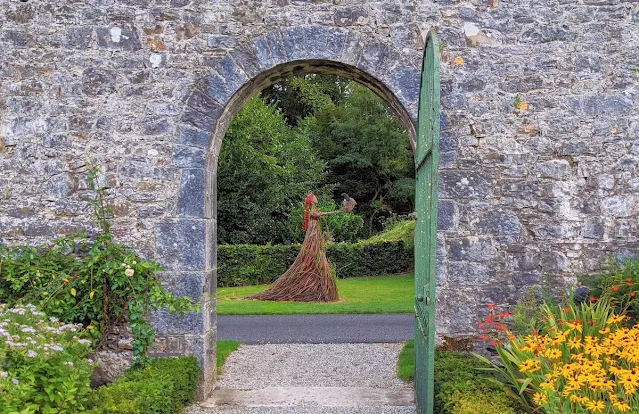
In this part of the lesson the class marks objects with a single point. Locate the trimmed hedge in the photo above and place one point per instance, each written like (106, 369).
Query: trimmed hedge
(246, 264)
(165, 386)
(462, 387)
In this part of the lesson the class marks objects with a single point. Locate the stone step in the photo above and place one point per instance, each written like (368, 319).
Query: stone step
(315, 396)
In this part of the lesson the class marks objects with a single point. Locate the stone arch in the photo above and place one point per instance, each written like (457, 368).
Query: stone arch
(186, 243)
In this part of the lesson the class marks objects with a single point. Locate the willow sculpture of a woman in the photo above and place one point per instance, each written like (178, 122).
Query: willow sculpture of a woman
(310, 278)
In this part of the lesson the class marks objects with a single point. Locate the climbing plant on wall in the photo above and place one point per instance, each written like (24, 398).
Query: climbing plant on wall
(90, 279)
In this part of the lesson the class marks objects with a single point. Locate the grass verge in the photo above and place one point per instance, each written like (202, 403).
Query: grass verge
(380, 294)
(406, 362)
(224, 349)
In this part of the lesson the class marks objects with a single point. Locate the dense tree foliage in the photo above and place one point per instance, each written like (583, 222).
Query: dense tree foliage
(299, 97)
(311, 133)
(367, 153)
(265, 170)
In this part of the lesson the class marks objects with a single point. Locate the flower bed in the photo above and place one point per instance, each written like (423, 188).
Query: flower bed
(43, 365)
(578, 357)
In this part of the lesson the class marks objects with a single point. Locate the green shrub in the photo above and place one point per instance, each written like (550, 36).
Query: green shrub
(97, 283)
(164, 386)
(43, 365)
(618, 283)
(242, 265)
(389, 252)
(395, 230)
(463, 387)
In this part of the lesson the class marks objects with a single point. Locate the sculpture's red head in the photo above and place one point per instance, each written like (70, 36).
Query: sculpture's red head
(310, 200)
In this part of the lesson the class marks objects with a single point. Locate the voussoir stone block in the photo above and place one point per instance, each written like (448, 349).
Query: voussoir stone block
(404, 81)
(204, 103)
(335, 43)
(199, 120)
(223, 84)
(245, 56)
(193, 137)
(300, 43)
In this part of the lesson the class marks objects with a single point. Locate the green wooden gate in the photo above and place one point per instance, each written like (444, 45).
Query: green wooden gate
(426, 160)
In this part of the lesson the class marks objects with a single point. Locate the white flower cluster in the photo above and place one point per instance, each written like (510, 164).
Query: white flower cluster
(27, 333)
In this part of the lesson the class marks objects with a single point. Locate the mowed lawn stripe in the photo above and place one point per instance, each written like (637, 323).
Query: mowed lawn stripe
(380, 294)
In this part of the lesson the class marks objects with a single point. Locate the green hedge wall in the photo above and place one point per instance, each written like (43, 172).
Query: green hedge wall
(165, 386)
(245, 264)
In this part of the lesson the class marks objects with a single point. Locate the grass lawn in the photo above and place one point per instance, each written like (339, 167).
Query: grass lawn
(406, 362)
(224, 348)
(380, 294)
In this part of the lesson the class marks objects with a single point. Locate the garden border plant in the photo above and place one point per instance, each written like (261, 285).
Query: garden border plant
(462, 386)
(580, 356)
(91, 280)
(43, 364)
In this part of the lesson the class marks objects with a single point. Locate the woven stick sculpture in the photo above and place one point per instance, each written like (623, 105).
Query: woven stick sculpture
(310, 278)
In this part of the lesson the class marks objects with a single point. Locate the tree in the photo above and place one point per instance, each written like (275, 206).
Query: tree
(299, 97)
(264, 172)
(367, 152)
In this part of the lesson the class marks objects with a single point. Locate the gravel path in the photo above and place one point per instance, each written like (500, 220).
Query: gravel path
(310, 365)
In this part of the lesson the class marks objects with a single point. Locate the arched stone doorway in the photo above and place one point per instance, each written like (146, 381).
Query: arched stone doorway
(186, 244)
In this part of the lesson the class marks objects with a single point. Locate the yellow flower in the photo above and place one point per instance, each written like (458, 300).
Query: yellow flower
(574, 343)
(529, 365)
(573, 326)
(553, 353)
(621, 406)
(595, 406)
(547, 385)
(613, 319)
(539, 399)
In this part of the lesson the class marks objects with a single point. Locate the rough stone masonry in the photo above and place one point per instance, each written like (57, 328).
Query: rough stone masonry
(539, 174)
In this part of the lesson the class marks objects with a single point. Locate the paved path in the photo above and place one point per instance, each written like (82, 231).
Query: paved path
(310, 379)
(316, 329)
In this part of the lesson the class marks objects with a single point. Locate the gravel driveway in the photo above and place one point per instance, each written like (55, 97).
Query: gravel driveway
(350, 366)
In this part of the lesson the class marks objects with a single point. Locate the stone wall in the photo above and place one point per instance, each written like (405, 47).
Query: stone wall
(539, 144)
